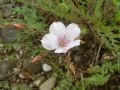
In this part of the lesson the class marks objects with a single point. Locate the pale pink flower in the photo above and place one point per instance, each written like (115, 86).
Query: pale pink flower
(61, 38)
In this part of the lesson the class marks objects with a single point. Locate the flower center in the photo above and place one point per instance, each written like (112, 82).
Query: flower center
(62, 42)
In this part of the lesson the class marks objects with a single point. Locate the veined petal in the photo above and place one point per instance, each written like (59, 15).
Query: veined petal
(72, 44)
(61, 50)
(58, 29)
(49, 41)
(73, 31)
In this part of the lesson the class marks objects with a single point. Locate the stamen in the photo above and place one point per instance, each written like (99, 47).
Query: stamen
(62, 41)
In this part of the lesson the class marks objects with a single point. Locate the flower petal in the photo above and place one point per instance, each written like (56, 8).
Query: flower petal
(49, 41)
(58, 29)
(73, 31)
(72, 44)
(60, 50)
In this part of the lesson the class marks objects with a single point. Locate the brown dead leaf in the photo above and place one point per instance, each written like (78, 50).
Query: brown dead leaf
(108, 56)
(72, 68)
(18, 26)
(37, 58)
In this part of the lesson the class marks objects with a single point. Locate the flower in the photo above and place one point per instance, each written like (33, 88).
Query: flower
(61, 38)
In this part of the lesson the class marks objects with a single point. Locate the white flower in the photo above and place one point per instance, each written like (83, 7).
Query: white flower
(61, 38)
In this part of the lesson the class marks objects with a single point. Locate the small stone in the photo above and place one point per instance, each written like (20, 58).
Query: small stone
(108, 56)
(48, 84)
(39, 81)
(47, 68)
(21, 53)
(21, 75)
(16, 70)
(16, 47)
(6, 68)
(1, 45)
(17, 56)
(25, 75)
(9, 35)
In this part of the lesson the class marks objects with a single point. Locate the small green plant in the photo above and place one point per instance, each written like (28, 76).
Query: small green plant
(117, 12)
(29, 17)
(66, 83)
(100, 75)
(97, 79)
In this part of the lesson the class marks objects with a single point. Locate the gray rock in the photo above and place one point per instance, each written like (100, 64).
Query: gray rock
(22, 76)
(48, 84)
(9, 35)
(17, 47)
(16, 71)
(39, 81)
(5, 68)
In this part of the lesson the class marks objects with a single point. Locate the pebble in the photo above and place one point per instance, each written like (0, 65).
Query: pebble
(6, 68)
(39, 81)
(9, 35)
(21, 75)
(48, 84)
(16, 70)
(47, 68)
(108, 56)
(17, 47)
(1, 45)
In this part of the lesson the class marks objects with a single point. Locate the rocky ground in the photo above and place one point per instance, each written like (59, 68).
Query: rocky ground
(25, 65)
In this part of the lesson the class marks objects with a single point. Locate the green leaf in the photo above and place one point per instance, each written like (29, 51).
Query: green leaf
(98, 79)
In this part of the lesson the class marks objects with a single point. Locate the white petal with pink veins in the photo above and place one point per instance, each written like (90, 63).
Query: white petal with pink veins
(58, 29)
(72, 44)
(61, 50)
(49, 41)
(73, 31)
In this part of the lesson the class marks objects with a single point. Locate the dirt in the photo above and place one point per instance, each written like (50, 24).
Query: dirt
(82, 56)
(86, 54)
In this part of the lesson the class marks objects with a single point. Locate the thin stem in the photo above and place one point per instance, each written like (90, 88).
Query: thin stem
(98, 52)
(82, 81)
